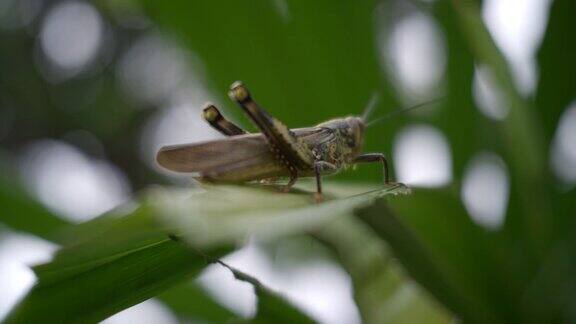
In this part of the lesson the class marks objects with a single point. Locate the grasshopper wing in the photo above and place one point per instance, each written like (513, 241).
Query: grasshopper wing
(232, 159)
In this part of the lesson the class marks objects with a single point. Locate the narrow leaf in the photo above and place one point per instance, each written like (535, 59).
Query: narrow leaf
(129, 262)
(272, 307)
(232, 213)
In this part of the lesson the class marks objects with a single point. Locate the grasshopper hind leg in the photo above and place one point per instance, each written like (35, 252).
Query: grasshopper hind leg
(213, 116)
(282, 141)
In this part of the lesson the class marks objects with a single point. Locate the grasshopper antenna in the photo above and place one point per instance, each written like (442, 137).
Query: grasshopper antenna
(401, 111)
(370, 106)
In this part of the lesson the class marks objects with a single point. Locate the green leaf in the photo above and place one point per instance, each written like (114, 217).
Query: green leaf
(272, 307)
(458, 112)
(22, 213)
(557, 67)
(115, 261)
(125, 264)
(187, 299)
(382, 290)
(557, 89)
(229, 214)
(453, 258)
(520, 132)
(191, 303)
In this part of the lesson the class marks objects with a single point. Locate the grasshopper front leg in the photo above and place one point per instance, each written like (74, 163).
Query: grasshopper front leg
(375, 157)
(319, 167)
(213, 116)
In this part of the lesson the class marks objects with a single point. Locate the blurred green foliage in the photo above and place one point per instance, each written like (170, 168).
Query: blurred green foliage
(314, 61)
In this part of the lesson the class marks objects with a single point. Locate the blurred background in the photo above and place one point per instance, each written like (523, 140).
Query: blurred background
(89, 91)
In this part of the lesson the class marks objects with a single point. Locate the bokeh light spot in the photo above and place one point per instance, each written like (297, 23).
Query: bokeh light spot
(517, 28)
(416, 56)
(153, 69)
(17, 253)
(147, 312)
(487, 96)
(283, 9)
(564, 147)
(70, 183)
(485, 190)
(422, 157)
(179, 122)
(71, 35)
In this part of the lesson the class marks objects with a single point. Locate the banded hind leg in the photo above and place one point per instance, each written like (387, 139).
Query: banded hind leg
(287, 149)
(213, 116)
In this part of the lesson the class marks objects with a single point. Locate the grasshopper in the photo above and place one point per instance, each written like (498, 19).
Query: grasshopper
(275, 152)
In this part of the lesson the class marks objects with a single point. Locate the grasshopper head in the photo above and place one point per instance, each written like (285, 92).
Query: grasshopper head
(350, 129)
(355, 130)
